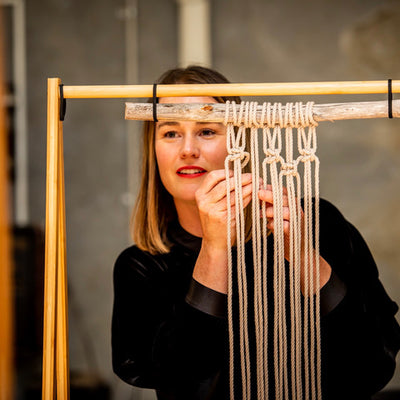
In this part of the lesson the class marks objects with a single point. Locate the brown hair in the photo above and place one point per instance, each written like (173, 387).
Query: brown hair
(155, 208)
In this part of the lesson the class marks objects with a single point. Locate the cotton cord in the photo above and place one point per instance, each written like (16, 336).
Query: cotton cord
(296, 362)
(236, 144)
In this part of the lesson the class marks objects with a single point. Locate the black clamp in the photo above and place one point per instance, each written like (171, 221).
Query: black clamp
(155, 102)
(390, 99)
(63, 103)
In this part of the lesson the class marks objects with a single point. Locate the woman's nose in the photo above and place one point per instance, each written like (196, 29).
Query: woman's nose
(189, 148)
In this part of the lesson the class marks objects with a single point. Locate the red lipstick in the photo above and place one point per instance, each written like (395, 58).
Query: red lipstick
(190, 171)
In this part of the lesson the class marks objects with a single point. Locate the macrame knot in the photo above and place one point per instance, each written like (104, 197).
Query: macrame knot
(238, 154)
(307, 155)
(272, 156)
(289, 168)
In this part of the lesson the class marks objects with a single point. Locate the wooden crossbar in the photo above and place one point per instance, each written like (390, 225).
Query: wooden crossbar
(231, 89)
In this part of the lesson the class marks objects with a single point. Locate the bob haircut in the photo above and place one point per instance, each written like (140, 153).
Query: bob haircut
(154, 208)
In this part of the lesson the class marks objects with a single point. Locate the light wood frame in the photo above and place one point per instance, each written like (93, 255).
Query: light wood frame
(55, 382)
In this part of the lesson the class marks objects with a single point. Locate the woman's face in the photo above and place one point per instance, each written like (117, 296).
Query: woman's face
(186, 151)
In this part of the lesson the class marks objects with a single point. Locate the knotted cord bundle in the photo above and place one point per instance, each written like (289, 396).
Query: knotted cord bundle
(293, 276)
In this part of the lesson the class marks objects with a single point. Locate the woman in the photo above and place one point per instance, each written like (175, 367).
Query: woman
(169, 328)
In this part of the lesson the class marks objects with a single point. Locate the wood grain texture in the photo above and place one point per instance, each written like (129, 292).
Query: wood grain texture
(231, 89)
(50, 287)
(215, 112)
(6, 270)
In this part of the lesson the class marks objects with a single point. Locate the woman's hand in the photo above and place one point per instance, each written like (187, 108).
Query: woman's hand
(211, 268)
(213, 206)
(266, 195)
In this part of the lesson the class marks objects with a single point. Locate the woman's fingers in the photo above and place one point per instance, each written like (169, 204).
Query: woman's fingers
(215, 181)
(212, 179)
(268, 196)
(214, 186)
(217, 178)
(269, 212)
(212, 193)
(269, 187)
(246, 195)
(271, 225)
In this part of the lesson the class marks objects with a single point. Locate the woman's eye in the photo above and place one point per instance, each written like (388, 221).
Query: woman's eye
(170, 134)
(207, 132)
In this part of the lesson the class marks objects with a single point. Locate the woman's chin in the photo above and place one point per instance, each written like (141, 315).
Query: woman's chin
(186, 198)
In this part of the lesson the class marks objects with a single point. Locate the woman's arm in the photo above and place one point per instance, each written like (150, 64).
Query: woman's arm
(360, 336)
(158, 340)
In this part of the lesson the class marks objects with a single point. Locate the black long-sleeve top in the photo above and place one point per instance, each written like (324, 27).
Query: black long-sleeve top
(169, 332)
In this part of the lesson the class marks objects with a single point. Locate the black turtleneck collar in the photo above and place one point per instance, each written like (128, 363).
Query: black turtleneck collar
(178, 235)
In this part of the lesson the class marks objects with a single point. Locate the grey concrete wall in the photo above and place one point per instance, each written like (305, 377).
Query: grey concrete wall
(82, 43)
(253, 41)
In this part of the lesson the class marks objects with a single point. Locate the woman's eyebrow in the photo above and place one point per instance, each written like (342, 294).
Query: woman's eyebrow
(174, 123)
(167, 123)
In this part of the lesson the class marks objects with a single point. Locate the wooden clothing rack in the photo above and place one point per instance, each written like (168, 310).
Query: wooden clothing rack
(55, 382)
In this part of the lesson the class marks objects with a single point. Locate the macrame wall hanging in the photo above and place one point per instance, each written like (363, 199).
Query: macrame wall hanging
(279, 130)
(296, 363)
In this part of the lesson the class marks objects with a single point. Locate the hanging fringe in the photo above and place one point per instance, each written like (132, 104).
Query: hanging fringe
(297, 362)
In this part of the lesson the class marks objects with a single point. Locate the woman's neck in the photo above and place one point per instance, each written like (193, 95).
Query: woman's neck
(189, 217)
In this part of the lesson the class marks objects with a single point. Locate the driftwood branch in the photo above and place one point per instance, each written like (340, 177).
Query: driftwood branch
(215, 112)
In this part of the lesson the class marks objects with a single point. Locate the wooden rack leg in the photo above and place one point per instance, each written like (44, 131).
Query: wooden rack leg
(49, 317)
(62, 359)
(6, 292)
